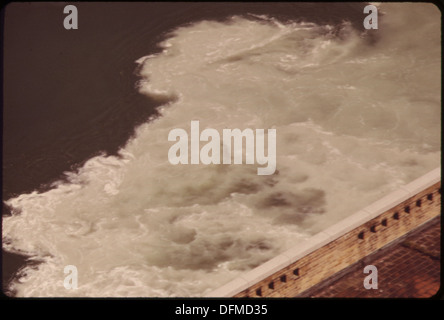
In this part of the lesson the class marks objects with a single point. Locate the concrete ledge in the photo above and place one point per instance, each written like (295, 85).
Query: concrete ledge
(230, 289)
(423, 182)
(386, 203)
(266, 269)
(311, 251)
(348, 224)
(302, 249)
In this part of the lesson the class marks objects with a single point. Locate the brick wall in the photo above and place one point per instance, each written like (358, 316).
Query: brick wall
(343, 244)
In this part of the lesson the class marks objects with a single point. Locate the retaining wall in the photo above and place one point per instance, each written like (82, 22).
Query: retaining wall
(342, 244)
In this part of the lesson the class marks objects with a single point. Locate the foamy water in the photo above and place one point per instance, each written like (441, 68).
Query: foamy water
(354, 119)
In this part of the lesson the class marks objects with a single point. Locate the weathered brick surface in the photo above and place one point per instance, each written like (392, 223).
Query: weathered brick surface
(349, 248)
(406, 269)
